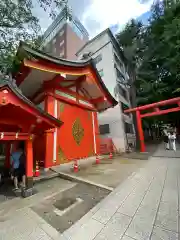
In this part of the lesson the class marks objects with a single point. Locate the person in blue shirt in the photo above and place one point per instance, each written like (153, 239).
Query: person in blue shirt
(18, 165)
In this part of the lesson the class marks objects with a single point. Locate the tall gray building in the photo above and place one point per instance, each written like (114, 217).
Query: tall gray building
(65, 35)
(109, 61)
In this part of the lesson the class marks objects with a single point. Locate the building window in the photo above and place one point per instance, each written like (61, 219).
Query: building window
(128, 128)
(124, 107)
(101, 73)
(104, 129)
(118, 61)
(61, 43)
(61, 33)
(123, 92)
(120, 75)
(53, 50)
(61, 54)
(98, 59)
(47, 48)
(54, 41)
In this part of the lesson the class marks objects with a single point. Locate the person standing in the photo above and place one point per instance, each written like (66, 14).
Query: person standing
(18, 165)
(166, 139)
(173, 140)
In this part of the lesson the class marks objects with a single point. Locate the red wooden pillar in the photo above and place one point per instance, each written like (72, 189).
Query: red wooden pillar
(140, 131)
(29, 163)
(8, 154)
(97, 138)
(49, 136)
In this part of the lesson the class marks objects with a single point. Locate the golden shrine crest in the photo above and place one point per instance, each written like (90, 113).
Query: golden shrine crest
(77, 131)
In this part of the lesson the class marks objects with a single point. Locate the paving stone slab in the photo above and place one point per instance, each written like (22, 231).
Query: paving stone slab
(87, 231)
(160, 233)
(110, 207)
(127, 238)
(167, 217)
(130, 206)
(115, 228)
(142, 223)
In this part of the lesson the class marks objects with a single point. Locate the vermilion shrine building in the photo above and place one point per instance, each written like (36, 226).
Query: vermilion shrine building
(53, 107)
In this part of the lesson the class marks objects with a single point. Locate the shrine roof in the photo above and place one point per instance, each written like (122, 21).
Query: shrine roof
(43, 67)
(7, 86)
(25, 50)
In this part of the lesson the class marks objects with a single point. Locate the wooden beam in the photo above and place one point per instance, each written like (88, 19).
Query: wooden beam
(40, 98)
(160, 112)
(86, 92)
(69, 101)
(69, 81)
(78, 81)
(77, 93)
(78, 85)
(22, 74)
(72, 85)
(73, 93)
(7, 136)
(154, 105)
(48, 84)
(53, 82)
(63, 89)
(40, 91)
(97, 100)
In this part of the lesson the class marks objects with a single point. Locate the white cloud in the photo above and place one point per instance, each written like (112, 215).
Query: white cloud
(97, 15)
(103, 13)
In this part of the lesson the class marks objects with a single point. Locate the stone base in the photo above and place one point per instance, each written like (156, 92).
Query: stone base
(27, 192)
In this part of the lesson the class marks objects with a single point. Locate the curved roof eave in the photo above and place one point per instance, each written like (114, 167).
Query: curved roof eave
(24, 48)
(110, 97)
(17, 92)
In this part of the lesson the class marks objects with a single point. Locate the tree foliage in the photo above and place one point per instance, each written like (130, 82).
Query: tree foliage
(161, 58)
(17, 22)
(155, 52)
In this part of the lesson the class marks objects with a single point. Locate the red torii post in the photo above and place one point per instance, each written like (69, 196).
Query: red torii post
(156, 111)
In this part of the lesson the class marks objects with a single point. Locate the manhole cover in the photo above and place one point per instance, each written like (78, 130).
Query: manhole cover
(64, 203)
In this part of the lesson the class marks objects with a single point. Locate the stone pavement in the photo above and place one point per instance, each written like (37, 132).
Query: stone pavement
(109, 173)
(145, 206)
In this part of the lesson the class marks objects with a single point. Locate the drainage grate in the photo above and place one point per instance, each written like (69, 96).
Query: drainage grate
(64, 203)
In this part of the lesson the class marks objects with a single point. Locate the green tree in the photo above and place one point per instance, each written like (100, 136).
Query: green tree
(156, 54)
(161, 58)
(17, 22)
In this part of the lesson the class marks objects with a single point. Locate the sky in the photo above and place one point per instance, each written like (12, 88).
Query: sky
(97, 15)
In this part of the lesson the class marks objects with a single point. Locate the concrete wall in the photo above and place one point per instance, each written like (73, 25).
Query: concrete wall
(113, 117)
(103, 46)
